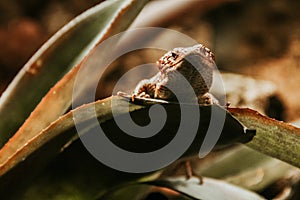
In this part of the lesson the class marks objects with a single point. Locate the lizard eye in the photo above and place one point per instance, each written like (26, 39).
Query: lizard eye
(174, 55)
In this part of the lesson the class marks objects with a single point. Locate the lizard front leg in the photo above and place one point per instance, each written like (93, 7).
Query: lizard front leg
(147, 88)
(144, 89)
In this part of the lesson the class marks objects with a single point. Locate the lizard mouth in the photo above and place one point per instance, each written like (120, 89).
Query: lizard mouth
(177, 62)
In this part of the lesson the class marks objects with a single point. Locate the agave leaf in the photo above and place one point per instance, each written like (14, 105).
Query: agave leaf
(211, 189)
(260, 177)
(56, 57)
(128, 191)
(274, 138)
(51, 141)
(251, 169)
(58, 99)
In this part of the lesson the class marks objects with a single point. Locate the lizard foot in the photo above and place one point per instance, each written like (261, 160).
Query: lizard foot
(207, 99)
(188, 170)
(141, 96)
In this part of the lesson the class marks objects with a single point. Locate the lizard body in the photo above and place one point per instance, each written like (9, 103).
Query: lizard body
(195, 63)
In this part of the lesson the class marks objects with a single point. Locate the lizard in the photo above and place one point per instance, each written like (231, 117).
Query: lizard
(195, 63)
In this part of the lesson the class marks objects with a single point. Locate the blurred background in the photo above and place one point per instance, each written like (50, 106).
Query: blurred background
(257, 38)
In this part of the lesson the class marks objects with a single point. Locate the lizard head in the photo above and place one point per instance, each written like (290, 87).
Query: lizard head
(172, 59)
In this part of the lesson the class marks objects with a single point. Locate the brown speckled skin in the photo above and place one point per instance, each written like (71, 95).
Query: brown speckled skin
(195, 63)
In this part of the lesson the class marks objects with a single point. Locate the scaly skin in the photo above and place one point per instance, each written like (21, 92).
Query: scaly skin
(195, 63)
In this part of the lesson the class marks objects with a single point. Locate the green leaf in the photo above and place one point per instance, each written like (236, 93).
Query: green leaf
(211, 189)
(19, 169)
(56, 57)
(247, 168)
(59, 98)
(274, 138)
(127, 192)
